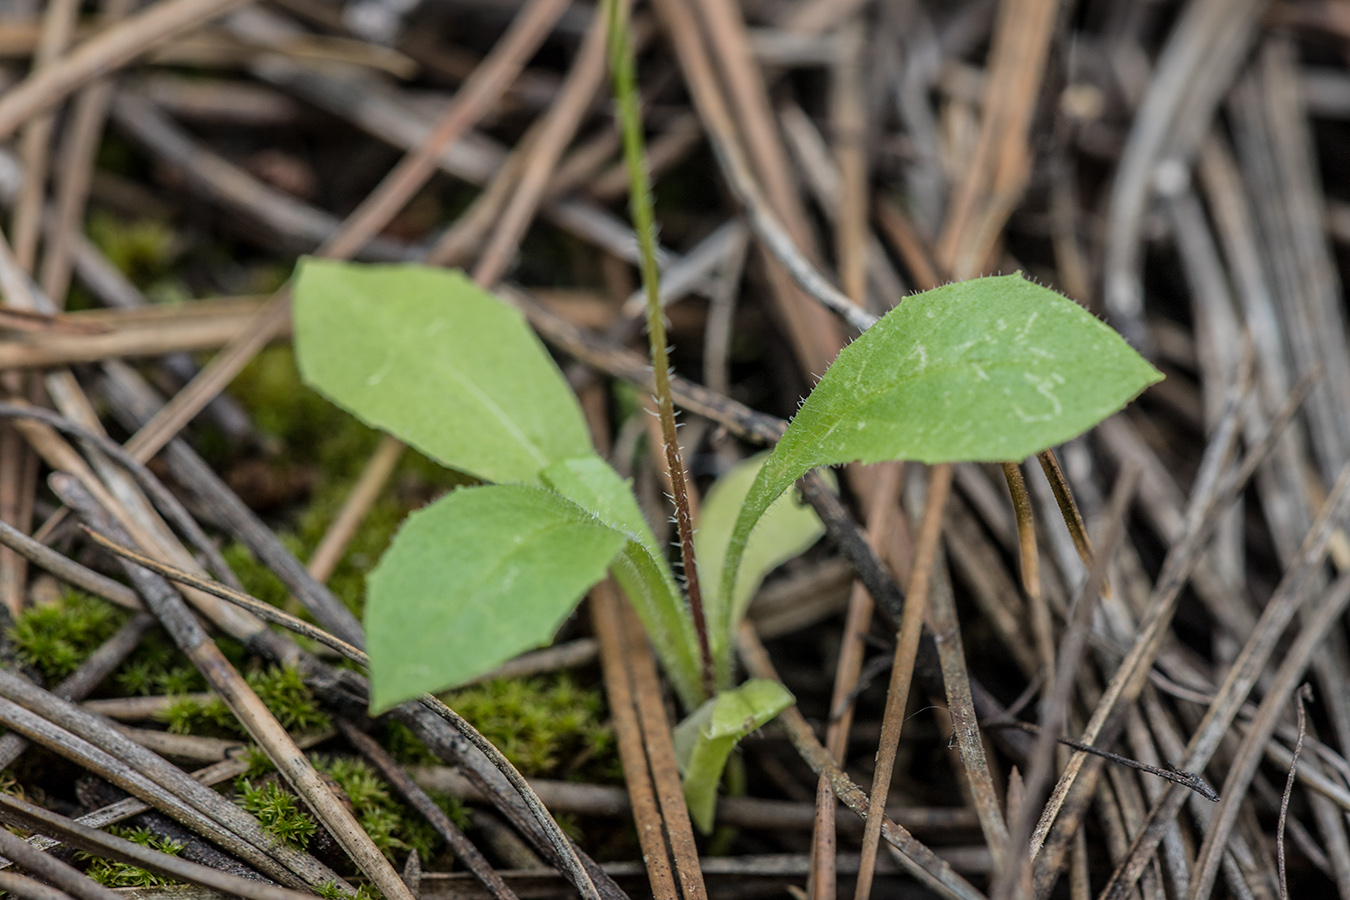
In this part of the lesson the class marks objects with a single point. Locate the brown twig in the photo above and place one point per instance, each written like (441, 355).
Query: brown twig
(656, 738)
(917, 858)
(1303, 695)
(857, 621)
(102, 54)
(628, 732)
(906, 650)
(464, 851)
(256, 719)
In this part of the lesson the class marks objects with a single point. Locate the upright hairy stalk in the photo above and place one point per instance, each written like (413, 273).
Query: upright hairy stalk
(640, 207)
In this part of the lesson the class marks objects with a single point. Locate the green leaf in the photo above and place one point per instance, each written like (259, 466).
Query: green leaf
(428, 356)
(786, 530)
(591, 483)
(705, 739)
(992, 369)
(641, 568)
(474, 579)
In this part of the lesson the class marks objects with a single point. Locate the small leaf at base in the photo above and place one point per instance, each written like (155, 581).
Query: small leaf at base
(787, 529)
(705, 739)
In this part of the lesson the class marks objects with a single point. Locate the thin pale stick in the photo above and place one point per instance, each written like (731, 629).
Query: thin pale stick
(628, 733)
(857, 621)
(849, 128)
(1303, 695)
(906, 650)
(58, 23)
(1029, 556)
(102, 54)
(272, 614)
(1067, 507)
(965, 727)
(75, 170)
(18, 469)
(556, 129)
(1001, 160)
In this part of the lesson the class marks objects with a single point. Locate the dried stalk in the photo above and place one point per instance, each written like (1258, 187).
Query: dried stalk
(100, 55)
(902, 670)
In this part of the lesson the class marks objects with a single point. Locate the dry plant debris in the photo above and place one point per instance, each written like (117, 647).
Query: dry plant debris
(1109, 709)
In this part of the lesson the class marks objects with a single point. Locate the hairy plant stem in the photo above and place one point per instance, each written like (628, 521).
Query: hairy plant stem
(640, 206)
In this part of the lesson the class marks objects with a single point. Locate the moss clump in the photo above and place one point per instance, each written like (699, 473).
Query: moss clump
(258, 580)
(405, 746)
(143, 250)
(159, 668)
(391, 825)
(280, 688)
(301, 428)
(278, 812)
(547, 727)
(114, 874)
(297, 422)
(330, 891)
(55, 638)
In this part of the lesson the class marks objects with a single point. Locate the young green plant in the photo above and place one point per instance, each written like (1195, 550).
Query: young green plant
(994, 369)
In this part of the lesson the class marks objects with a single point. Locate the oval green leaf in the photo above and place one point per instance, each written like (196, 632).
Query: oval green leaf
(472, 580)
(992, 369)
(428, 356)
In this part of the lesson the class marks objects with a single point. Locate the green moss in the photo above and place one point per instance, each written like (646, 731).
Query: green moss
(280, 688)
(547, 727)
(143, 249)
(298, 422)
(114, 874)
(405, 746)
(257, 579)
(259, 763)
(300, 427)
(348, 581)
(285, 693)
(55, 638)
(392, 826)
(159, 668)
(278, 812)
(330, 891)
